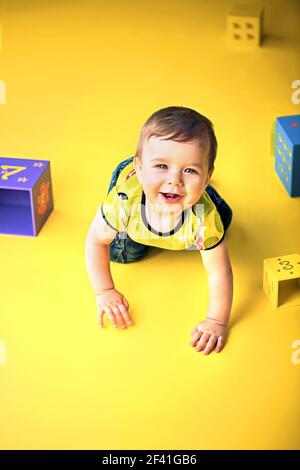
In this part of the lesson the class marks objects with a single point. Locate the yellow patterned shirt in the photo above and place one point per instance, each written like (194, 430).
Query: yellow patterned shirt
(200, 226)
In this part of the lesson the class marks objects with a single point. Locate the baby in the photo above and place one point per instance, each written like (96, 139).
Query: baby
(161, 197)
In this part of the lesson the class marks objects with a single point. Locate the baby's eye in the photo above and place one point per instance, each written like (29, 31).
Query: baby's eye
(162, 164)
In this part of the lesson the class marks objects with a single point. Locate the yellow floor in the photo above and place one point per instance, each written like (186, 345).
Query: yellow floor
(82, 77)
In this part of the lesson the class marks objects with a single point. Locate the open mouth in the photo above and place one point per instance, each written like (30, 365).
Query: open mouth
(171, 198)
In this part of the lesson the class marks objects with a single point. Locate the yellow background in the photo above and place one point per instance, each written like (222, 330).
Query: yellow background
(82, 77)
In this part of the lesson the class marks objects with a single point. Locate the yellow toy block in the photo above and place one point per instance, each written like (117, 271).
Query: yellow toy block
(281, 280)
(244, 24)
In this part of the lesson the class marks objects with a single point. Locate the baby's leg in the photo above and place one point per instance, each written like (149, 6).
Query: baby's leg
(117, 171)
(222, 207)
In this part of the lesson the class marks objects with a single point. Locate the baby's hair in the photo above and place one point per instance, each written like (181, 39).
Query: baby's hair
(181, 125)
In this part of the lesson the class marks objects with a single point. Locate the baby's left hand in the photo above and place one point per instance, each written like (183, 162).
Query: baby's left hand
(209, 335)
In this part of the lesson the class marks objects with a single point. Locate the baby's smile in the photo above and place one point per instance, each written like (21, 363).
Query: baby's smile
(171, 198)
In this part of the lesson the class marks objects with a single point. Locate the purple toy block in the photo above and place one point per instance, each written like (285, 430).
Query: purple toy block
(26, 199)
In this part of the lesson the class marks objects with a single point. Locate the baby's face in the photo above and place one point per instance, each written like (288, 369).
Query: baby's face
(173, 167)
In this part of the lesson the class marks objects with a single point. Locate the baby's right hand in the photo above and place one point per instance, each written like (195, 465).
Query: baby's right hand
(114, 304)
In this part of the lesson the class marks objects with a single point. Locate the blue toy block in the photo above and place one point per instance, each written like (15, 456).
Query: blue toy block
(287, 153)
(26, 199)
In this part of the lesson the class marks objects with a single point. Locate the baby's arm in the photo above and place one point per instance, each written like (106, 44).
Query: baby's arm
(97, 255)
(97, 248)
(210, 334)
